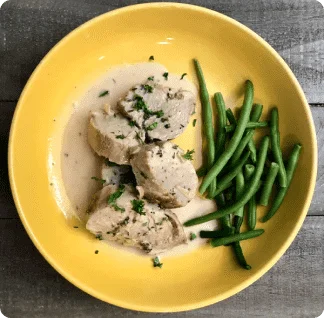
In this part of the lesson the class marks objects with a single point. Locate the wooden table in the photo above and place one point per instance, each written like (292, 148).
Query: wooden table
(30, 287)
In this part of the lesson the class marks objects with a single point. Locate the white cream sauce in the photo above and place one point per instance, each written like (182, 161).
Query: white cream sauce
(79, 163)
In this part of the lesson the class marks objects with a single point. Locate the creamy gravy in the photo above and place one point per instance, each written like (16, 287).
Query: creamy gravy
(79, 163)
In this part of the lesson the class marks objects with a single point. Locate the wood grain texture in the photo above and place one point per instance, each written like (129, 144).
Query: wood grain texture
(32, 288)
(29, 28)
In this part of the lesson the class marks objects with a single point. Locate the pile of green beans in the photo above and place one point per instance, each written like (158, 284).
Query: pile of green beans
(237, 175)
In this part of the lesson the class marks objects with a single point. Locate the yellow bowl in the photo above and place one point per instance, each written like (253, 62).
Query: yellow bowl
(174, 33)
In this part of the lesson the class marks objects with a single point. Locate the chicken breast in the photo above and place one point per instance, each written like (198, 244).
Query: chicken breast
(113, 137)
(163, 112)
(164, 174)
(116, 174)
(133, 222)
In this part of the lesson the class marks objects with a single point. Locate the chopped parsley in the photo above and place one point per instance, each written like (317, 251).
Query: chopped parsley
(151, 78)
(111, 200)
(104, 93)
(188, 154)
(96, 251)
(140, 105)
(132, 123)
(183, 75)
(152, 126)
(120, 137)
(165, 75)
(148, 88)
(138, 206)
(151, 58)
(159, 113)
(156, 262)
(117, 208)
(99, 237)
(194, 122)
(192, 236)
(99, 179)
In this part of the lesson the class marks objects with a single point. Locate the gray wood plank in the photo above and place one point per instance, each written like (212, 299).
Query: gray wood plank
(317, 205)
(7, 207)
(31, 288)
(28, 29)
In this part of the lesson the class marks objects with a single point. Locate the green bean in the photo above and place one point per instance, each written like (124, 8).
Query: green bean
(240, 148)
(248, 171)
(291, 167)
(219, 233)
(230, 117)
(267, 187)
(236, 237)
(255, 116)
(275, 146)
(239, 256)
(226, 179)
(239, 183)
(235, 140)
(221, 135)
(250, 124)
(222, 187)
(250, 189)
(201, 172)
(237, 221)
(251, 205)
(225, 220)
(207, 121)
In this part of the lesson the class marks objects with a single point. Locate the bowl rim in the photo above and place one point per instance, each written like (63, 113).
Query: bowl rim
(233, 290)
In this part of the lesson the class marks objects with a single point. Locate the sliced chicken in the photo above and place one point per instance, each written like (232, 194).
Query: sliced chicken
(149, 228)
(116, 174)
(162, 111)
(113, 137)
(164, 174)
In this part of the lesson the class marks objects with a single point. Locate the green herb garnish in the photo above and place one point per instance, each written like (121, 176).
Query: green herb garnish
(165, 75)
(188, 154)
(140, 105)
(192, 236)
(98, 179)
(151, 78)
(120, 137)
(156, 262)
(132, 123)
(99, 237)
(152, 126)
(151, 58)
(148, 88)
(111, 200)
(194, 122)
(138, 206)
(183, 75)
(104, 93)
(117, 208)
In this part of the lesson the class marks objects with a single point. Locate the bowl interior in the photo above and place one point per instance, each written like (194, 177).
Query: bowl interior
(229, 54)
